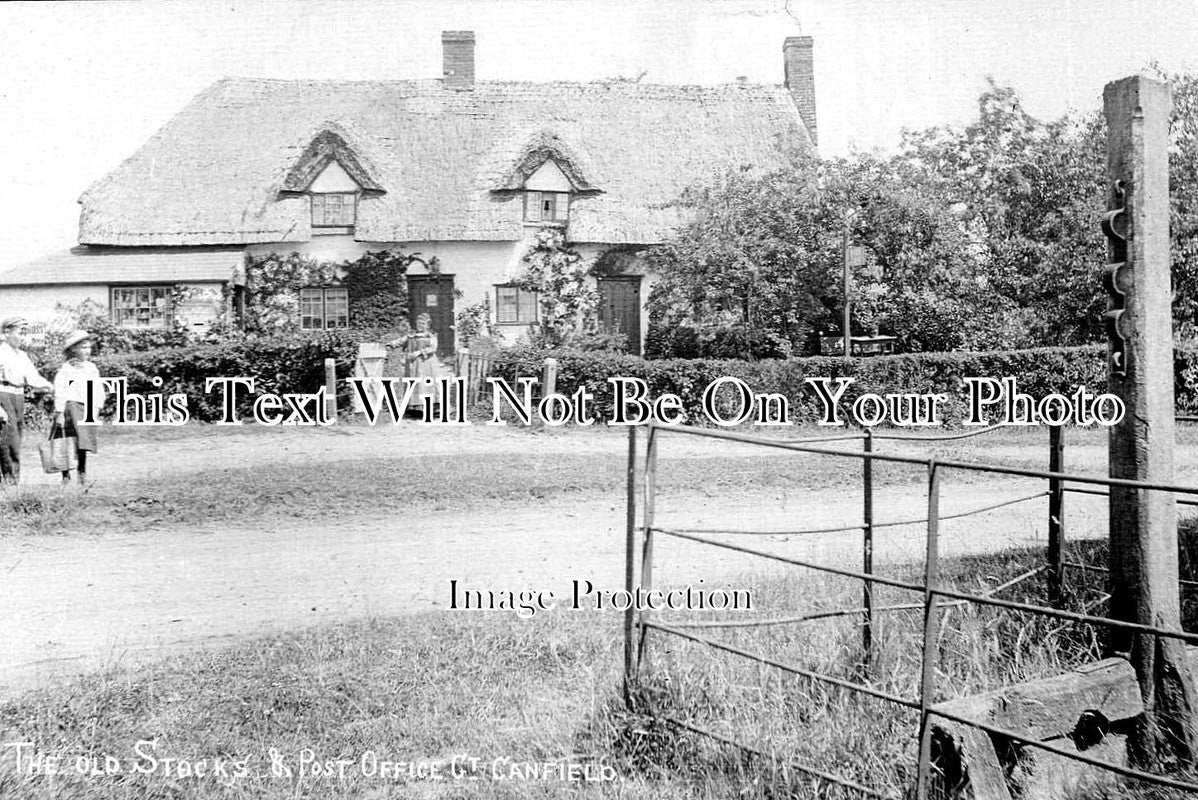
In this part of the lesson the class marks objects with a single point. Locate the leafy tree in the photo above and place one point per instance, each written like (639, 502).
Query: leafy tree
(759, 271)
(1183, 190)
(1031, 193)
(924, 280)
(981, 236)
(747, 277)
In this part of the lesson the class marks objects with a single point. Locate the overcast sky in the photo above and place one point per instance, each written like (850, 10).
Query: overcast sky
(82, 85)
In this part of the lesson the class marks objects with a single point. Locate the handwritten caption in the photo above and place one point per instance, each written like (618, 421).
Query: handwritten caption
(147, 757)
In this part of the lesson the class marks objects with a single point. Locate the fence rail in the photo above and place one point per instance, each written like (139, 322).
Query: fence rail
(935, 596)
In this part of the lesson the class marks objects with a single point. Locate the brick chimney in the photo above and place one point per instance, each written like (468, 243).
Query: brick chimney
(799, 65)
(457, 58)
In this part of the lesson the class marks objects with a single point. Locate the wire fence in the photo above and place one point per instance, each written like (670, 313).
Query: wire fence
(937, 596)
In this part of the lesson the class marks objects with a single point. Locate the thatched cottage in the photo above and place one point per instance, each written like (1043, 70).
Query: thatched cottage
(462, 170)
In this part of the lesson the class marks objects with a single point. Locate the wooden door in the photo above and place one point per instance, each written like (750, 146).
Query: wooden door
(620, 308)
(433, 295)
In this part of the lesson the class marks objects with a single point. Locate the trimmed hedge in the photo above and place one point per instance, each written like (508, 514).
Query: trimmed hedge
(1038, 372)
(277, 365)
(285, 365)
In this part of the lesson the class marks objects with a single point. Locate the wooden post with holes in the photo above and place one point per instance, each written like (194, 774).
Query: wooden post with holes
(867, 554)
(630, 569)
(931, 634)
(330, 388)
(1056, 517)
(1143, 524)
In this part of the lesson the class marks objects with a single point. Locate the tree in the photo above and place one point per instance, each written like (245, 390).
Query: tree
(1183, 191)
(758, 271)
(1032, 193)
(983, 236)
(745, 278)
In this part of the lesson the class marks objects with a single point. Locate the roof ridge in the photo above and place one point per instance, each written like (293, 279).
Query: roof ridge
(621, 82)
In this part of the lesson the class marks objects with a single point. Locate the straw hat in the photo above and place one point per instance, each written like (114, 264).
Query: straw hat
(11, 322)
(75, 338)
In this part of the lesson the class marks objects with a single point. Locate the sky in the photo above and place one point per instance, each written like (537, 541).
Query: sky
(84, 84)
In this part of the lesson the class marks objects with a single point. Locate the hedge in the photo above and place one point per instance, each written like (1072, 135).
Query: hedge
(1038, 372)
(284, 365)
(280, 365)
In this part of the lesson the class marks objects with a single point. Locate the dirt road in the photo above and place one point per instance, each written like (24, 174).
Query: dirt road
(74, 604)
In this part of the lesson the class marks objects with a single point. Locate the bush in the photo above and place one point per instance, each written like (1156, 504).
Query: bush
(296, 364)
(277, 364)
(1039, 372)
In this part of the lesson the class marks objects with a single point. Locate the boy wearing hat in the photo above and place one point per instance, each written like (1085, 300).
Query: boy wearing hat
(16, 373)
(71, 385)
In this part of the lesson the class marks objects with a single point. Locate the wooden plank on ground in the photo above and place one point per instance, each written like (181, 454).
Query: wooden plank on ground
(1043, 709)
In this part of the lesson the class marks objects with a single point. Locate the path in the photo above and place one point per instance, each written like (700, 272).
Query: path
(78, 605)
(74, 604)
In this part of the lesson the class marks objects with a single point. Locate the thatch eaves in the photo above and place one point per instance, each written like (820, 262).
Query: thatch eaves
(213, 174)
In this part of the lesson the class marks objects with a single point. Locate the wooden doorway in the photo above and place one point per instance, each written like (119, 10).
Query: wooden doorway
(620, 308)
(433, 295)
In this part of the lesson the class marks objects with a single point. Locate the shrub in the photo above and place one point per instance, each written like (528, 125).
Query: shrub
(277, 364)
(296, 364)
(1039, 372)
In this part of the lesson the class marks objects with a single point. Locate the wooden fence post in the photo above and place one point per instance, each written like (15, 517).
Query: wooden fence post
(330, 388)
(630, 569)
(1056, 517)
(1143, 524)
(867, 554)
(931, 633)
(549, 379)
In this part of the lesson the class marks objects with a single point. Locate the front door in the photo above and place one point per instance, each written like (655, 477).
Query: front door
(620, 308)
(433, 295)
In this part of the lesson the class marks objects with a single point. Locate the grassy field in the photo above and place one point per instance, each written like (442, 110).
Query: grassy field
(509, 693)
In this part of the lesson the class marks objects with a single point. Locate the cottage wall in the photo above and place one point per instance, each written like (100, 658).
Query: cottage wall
(37, 303)
(43, 303)
(477, 267)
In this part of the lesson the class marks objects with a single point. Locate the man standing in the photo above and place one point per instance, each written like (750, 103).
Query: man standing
(16, 373)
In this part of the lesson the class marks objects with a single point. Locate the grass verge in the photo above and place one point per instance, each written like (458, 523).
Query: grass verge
(445, 688)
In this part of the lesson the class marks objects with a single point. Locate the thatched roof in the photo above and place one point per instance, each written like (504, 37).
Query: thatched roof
(445, 158)
(84, 265)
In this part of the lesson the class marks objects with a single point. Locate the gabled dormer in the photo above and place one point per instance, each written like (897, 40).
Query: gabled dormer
(547, 195)
(335, 176)
(549, 175)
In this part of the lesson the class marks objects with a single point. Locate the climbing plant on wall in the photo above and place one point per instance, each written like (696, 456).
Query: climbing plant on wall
(378, 293)
(374, 284)
(272, 289)
(568, 301)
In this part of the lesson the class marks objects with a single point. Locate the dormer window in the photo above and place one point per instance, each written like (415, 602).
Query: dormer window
(546, 206)
(334, 200)
(334, 210)
(547, 194)
(547, 174)
(334, 177)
